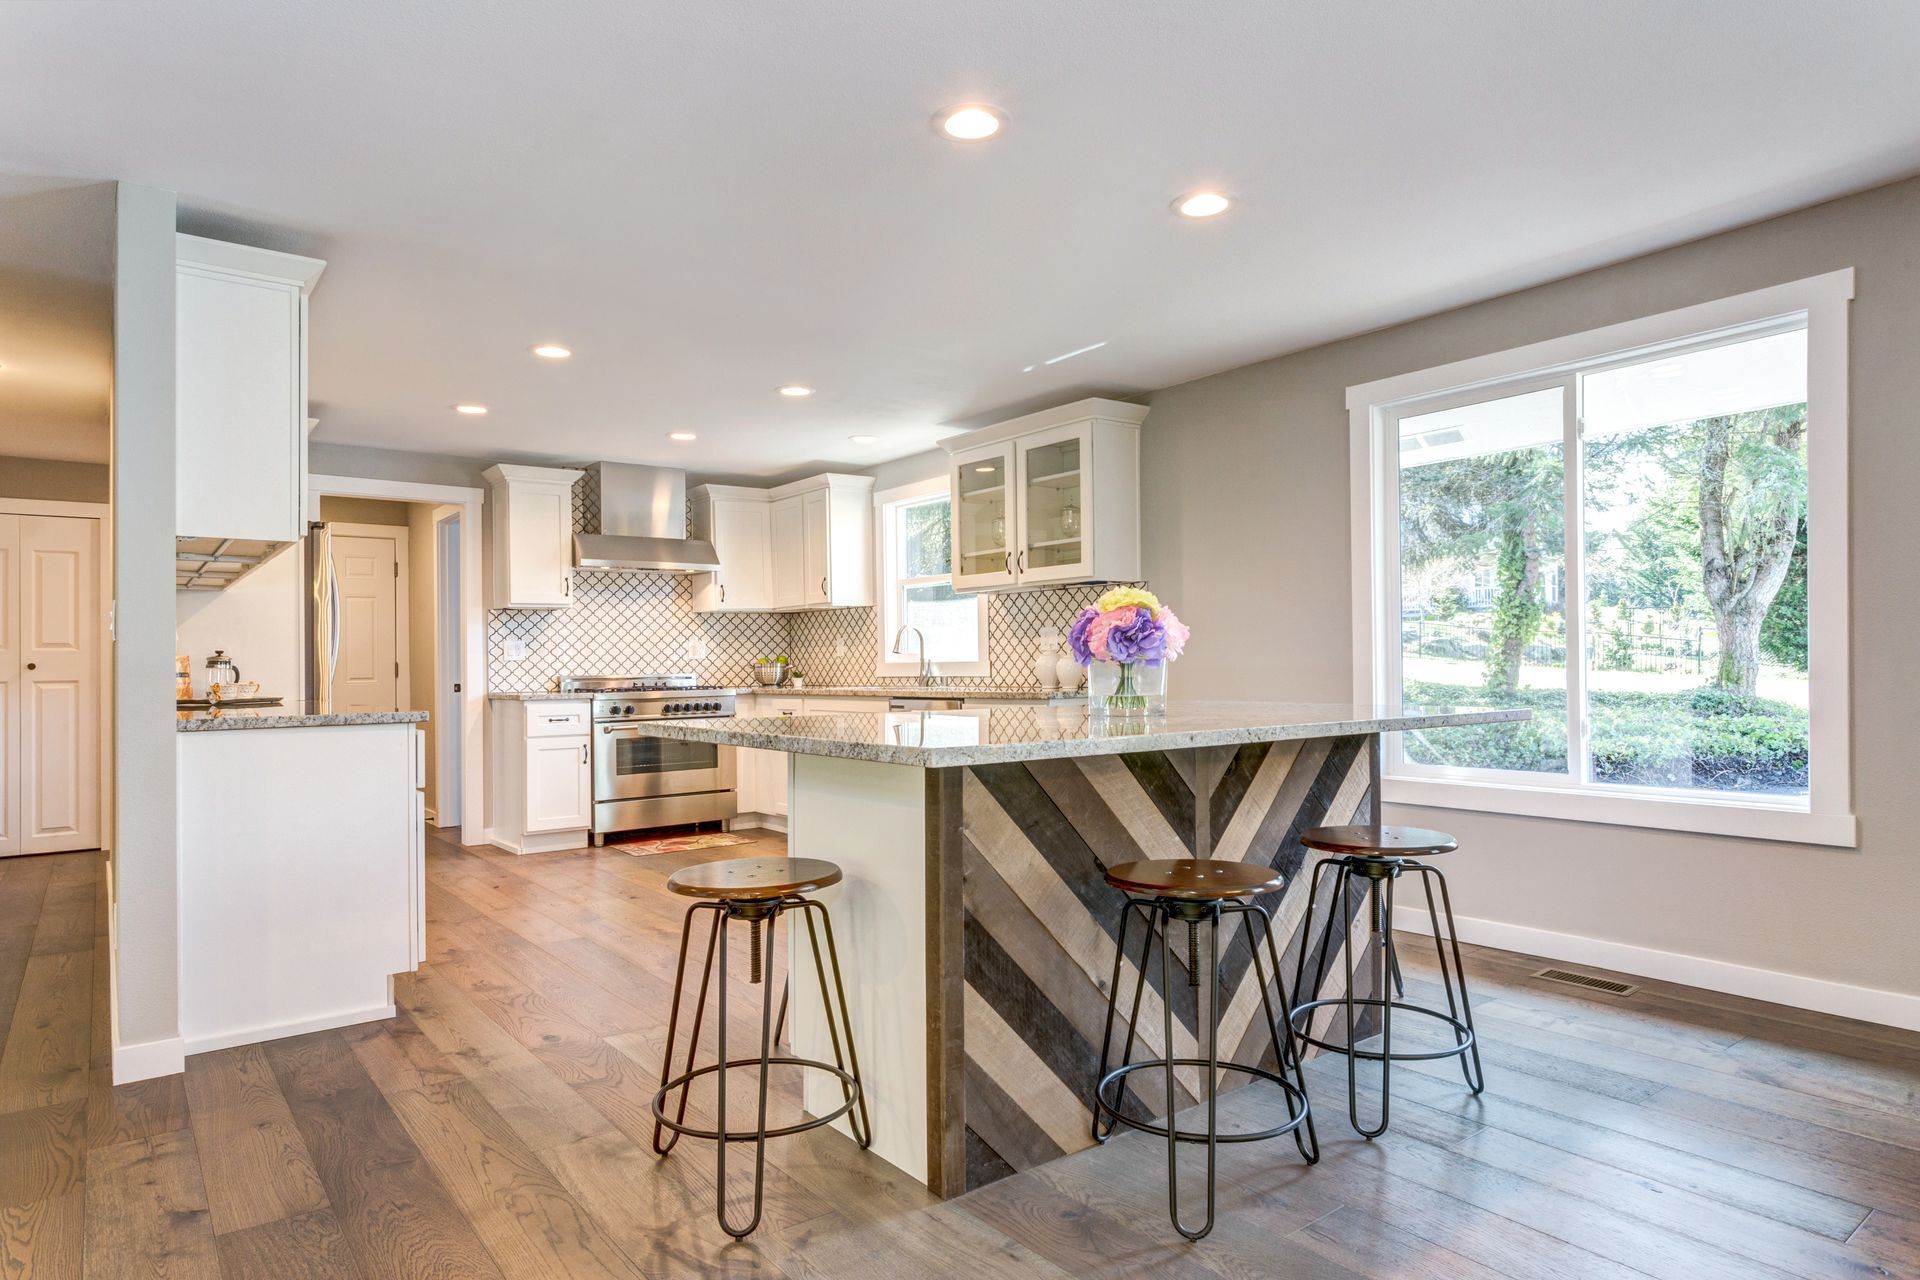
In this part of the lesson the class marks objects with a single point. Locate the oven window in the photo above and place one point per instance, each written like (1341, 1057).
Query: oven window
(637, 756)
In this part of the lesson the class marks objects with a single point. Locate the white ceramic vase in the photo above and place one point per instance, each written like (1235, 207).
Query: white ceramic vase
(1071, 673)
(1046, 669)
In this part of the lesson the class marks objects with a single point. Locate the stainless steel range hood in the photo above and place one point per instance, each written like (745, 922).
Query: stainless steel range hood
(636, 520)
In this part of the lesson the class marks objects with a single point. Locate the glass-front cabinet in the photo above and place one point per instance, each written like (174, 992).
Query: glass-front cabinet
(1053, 497)
(1053, 524)
(983, 518)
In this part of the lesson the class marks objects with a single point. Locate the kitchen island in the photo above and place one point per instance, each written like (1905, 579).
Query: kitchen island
(975, 930)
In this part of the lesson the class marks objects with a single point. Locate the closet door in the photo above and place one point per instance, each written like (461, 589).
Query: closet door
(10, 671)
(58, 603)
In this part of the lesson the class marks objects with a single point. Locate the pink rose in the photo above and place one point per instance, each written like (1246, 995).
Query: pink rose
(1098, 629)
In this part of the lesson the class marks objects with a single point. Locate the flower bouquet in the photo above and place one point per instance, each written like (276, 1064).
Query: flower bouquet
(1125, 640)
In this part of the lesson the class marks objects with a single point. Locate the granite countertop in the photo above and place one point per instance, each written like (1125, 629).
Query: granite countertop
(540, 697)
(996, 735)
(289, 716)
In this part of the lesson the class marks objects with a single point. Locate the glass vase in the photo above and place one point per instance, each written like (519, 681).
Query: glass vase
(1123, 689)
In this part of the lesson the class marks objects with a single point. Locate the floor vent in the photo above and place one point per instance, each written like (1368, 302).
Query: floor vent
(1588, 981)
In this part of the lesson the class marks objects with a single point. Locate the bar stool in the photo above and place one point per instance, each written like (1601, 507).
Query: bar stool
(756, 892)
(1376, 857)
(1192, 891)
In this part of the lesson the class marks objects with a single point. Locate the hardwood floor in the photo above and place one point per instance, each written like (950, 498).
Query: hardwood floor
(498, 1128)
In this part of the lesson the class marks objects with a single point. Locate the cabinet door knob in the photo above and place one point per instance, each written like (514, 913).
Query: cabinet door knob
(33, 666)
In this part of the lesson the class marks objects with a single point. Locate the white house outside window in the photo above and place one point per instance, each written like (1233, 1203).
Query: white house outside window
(914, 526)
(1639, 534)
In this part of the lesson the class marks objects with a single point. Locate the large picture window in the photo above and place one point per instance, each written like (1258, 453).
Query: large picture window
(1639, 536)
(915, 528)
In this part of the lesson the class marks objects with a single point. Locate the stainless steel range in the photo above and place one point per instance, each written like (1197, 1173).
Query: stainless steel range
(641, 782)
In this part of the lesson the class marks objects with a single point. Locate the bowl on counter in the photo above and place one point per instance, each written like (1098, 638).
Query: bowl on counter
(770, 674)
(229, 692)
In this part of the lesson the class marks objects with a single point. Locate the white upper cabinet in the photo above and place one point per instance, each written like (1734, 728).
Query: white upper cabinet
(805, 545)
(1050, 498)
(788, 525)
(240, 390)
(833, 567)
(983, 518)
(532, 536)
(735, 521)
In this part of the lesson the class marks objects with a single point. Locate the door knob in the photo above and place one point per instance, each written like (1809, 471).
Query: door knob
(33, 666)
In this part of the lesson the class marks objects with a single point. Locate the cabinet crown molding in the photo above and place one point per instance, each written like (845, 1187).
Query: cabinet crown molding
(507, 471)
(825, 480)
(244, 259)
(1131, 415)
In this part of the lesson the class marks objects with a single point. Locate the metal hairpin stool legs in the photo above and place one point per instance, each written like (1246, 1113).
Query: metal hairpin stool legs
(1194, 893)
(1375, 860)
(755, 892)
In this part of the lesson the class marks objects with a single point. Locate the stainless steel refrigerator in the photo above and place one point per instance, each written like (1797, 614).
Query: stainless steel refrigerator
(321, 604)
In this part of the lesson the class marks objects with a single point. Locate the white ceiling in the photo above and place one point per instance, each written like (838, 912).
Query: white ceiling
(706, 200)
(56, 318)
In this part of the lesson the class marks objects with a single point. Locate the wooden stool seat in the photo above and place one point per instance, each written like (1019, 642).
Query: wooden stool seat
(753, 879)
(1205, 879)
(1388, 842)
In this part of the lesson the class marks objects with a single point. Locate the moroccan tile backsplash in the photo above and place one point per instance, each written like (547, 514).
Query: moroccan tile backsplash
(625, 623)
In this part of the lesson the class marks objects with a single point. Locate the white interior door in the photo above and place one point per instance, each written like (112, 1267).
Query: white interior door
(368, 675)
(50, 670)
(11, 668)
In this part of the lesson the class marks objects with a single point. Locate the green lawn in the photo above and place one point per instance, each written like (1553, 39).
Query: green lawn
(1704, 738)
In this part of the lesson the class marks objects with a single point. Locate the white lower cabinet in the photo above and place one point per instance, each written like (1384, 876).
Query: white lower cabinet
(542, 775)
(559, 785)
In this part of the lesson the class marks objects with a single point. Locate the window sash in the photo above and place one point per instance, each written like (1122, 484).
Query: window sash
(890, 510)
(1824, 815)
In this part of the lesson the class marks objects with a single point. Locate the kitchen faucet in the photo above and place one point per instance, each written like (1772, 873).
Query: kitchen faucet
(927, 670)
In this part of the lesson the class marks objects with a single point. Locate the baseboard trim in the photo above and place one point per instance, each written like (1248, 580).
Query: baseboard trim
(1868, 1004)
(281, 1030)
(767, 821)
(149, 1060)
(541, 842)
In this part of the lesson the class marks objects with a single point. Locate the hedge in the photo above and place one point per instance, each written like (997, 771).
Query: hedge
(1709, 738)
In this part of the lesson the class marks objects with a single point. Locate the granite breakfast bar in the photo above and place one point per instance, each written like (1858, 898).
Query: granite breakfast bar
(975, 930)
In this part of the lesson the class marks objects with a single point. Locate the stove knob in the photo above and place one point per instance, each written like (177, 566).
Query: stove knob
(713, 706)
(674, 708)
(627, 710)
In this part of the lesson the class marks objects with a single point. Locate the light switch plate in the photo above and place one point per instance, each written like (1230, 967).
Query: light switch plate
(513, 650)
(697, 648)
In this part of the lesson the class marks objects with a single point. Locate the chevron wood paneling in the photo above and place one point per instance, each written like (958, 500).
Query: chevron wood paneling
(1040, 925)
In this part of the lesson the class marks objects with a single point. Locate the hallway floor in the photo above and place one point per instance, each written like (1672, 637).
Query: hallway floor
(498, 1128)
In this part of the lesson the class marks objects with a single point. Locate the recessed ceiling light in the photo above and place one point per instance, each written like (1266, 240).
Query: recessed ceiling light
(681, 435)
(969, 122)
(473, 409)
(864, 439)
(1201, 204)
(795, 391)
(551, 351)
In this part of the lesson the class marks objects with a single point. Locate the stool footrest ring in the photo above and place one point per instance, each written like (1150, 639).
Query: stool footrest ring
(1103, 1106)
(753, 1135)
(1461, 1031)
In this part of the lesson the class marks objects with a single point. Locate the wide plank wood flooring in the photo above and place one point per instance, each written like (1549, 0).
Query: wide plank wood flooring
(498, 1127)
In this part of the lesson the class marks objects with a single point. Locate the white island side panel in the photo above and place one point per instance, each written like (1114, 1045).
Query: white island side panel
(870, 821)
(299, 893)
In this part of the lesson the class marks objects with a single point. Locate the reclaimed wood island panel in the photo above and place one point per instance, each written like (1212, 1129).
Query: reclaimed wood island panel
(975, 928)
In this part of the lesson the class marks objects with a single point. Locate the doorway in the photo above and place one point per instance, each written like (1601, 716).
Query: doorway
(51, 703)
(451, 692)
(449, 665)
(370, 671)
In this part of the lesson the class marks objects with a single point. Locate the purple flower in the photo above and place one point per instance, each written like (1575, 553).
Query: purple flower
(1077, 636)
(1142, 639)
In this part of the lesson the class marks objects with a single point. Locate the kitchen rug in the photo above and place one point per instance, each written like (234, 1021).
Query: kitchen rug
(682, 844)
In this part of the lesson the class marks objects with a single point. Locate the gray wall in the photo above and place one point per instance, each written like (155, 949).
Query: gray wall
(1246, 533)
(52, 481)
(145, 870)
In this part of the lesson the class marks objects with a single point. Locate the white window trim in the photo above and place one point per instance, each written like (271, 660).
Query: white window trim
(886, 662)
(1826, 815)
